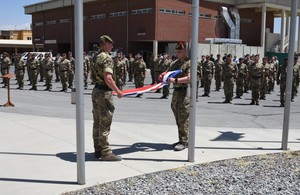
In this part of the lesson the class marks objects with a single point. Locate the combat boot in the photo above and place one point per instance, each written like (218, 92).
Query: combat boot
(111, 157)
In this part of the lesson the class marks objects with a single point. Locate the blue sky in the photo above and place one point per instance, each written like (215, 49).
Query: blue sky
(14, 17)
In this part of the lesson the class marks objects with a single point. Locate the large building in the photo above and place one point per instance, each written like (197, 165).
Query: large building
(151, 25)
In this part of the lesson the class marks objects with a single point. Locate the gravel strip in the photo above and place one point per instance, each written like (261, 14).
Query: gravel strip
(277, 173)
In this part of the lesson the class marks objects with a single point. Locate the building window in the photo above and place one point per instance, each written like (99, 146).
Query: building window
(61, 21)
(172, 11)
(39, 23)
(117, 14)
(96, 17)
(203, 15)
(218, 17)
(51, 22)
(141, 11)
(29, 38)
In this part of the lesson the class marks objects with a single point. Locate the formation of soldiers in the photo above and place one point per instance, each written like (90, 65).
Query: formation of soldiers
(247, 73)
(242, 74)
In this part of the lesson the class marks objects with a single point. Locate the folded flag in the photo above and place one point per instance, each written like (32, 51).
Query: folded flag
(136, 91)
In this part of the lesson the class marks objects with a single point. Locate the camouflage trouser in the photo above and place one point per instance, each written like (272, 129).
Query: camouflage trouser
(64, 77)
(180, 106)
(264, 87)
(48, 78)
(56, 69)
(207, 83)
(166, 90)
(119, 82)
(71, 78)
(85, 78)
(295, 87)
(271, 83)
(282, 91)
(255, 88)
(228, 88)
(4, 71)
(218, 78)
(240, 86)
(33, 77)
(103, 110)
(20, 78)
(139, 81)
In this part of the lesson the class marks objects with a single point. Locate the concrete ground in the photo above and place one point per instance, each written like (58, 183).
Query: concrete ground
(38, 136)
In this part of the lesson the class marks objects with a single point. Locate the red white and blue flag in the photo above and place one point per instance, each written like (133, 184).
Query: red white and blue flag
(141, 90)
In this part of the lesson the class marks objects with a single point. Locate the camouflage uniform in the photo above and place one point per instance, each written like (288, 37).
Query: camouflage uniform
(6, 62)
(139, 73)
(230, 70)
(103, 105)
(64, 68)
(165, 64)
(33, 65)
(158, 69)
(48, 68)
(86, 70)
(218, 73)
(241, 77)
(119, 70)
(296, 76)
(256, 73)
(20, 71)
(180, 102)
(199, 76)
(130, 68)
(265, 81)
(248, 62)
(207, 73)
(56, 67)
(272, 77)
(281, 79)
(71, 72)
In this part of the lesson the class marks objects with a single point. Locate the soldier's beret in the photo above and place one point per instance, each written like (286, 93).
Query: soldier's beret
(106, 39)
(229, 56)
(180, 45)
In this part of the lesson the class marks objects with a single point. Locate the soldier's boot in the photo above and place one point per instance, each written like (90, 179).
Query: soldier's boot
(35, 88)
(21, 88)
(252, 102)
(180, 146)
(97, 154)
(257, 103)
(111, 157)
(32, 88)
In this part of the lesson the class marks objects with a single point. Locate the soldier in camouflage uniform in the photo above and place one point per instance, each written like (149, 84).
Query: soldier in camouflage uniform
(180, 101)
(86, 69)
(152, 62)
(165, 63)
(33, 65)
(218, 72)
(41, 71)
(207, 73)
(102, 98)
(203, 59)
(230, 70)
(20, 71)
(199, 77)
(5, 63)
(296, 76)
(48, 68)
(139, 72)
(158, 69)
(71, 72)
(130, 67)
(265, 81)
(256, 75)
(281, 80)
(64, 68)
(272, 76)
(248, 62)
(119, 70)
(241, 77)
(56, 67)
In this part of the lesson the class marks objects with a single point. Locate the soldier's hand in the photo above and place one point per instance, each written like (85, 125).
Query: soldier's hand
(120, 94)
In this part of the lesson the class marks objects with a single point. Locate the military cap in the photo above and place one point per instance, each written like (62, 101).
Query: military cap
(180, 45)
(229, 56)
(241, 59)
(106, 39)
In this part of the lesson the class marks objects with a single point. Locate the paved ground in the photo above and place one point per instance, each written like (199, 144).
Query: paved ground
(38, 136)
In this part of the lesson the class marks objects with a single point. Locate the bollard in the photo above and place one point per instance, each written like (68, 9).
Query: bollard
(73, 96)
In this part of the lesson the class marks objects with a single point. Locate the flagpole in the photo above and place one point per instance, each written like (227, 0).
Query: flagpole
(193, 83)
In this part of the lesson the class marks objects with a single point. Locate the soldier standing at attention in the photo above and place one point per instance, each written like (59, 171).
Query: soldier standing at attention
(158, 69)
(20, 71)
(130, 67)
(248, 62)
(230, 70)
(203, 59)
(6, 62)
(180, 101)
(64, 68)
(56, 67)
(119, 70)
(33, 65)
(86, 69)
(218, 72)
(296, 76)
(102, 98)
(139, 73)
(165, 63)
(281, 80)
(272, 76)
(71, 70)
(241, 77)
(48, 68)
(256, 75)
(207, 72)
(265, 81)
